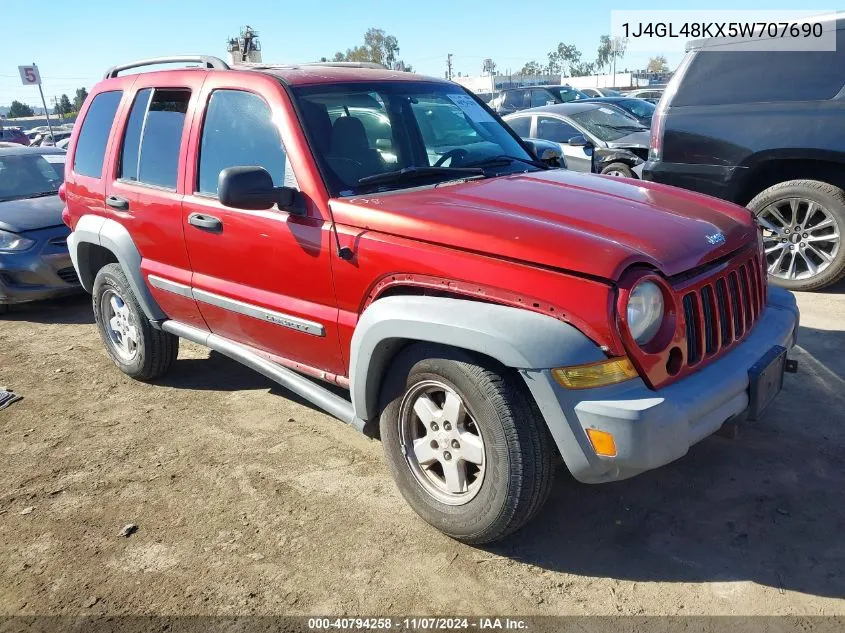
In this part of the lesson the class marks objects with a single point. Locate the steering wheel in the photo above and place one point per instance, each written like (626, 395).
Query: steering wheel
(454, 154)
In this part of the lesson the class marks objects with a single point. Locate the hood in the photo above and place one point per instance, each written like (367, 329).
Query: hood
(29, 214)
(592, 225)
(637, 139)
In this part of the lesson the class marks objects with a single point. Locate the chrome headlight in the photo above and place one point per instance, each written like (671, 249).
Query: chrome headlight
(645, 311)
(11, 242)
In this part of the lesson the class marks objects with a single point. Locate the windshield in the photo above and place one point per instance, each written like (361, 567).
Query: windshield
(30, 175)
(360, 130)
(640, 107)
(566, 94)
(606, 123)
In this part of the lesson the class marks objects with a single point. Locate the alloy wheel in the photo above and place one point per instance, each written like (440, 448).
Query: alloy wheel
(120, 326)
(442, 444)
(801, 238)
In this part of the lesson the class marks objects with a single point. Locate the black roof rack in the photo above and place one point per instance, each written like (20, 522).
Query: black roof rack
(207, 61)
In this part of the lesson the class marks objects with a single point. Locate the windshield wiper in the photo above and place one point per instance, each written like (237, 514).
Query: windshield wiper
(504, 159)
(26, 196)
(409, 174)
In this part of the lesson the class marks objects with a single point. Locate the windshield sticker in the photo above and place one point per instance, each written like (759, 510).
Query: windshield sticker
(54, 158)
(470, 108)
(606, 110)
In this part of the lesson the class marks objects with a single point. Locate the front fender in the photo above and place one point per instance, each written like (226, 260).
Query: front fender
(516, 338)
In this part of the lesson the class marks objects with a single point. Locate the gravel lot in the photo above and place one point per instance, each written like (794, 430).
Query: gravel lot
(249, 501)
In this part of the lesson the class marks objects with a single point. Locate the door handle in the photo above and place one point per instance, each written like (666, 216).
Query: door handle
(205, 222)
(116, 202)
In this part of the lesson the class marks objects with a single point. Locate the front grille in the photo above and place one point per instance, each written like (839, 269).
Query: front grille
(722, 311)
(68, 275)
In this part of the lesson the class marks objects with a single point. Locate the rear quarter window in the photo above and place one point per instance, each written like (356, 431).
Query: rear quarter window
(94, 134)
(725, 77)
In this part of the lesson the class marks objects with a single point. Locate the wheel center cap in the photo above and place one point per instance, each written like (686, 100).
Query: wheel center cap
(795, 238)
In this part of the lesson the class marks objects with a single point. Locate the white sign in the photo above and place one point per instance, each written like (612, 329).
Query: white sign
(30, 75)
(469, 107)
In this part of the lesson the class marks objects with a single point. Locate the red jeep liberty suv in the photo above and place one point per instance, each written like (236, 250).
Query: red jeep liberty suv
(387, 233)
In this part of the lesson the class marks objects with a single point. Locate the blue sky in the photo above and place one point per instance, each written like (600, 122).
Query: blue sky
(85, 37)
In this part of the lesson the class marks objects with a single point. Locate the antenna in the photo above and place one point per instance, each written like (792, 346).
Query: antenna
(344, 252)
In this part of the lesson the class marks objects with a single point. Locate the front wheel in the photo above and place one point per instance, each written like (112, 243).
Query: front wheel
(618, 169)
(802, 223)
(468, 449)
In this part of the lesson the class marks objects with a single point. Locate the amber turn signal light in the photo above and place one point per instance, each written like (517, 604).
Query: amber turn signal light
(603, 443)
(600, 374)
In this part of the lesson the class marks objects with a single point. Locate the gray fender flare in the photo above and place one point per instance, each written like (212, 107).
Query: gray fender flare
(94, 229)
(515, 337)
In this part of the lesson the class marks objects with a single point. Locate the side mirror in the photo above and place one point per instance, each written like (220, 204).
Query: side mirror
(546, 152)
(251, 187)
(579, 141)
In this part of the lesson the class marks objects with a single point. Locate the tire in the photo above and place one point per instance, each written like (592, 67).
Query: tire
(619, 170)
(153, 351)
(516, 447)
(830, 203)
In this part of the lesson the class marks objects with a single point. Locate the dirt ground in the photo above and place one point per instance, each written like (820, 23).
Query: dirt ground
(248, 501)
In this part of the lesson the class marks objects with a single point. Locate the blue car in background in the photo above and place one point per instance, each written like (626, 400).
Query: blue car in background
(34, 259)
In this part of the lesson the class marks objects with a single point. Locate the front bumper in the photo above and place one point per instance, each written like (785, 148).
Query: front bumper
(43, 271)
(654, 427)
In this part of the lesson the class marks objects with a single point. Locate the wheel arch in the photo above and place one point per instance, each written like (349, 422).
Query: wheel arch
(97, 241)
(768, 169)
(511, 336)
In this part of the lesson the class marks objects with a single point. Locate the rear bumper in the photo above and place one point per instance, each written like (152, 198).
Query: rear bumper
(652, 428)
(41, 272)
(714, 180)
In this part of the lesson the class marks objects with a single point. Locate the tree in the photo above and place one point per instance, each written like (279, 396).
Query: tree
(63, 106)
(582, 69)
(488, 67)
(658, 65)
(618, 46)
(18, 109)
(531, 68)
(79, 98)
(563, 59)
(378, 47)
(604, 52)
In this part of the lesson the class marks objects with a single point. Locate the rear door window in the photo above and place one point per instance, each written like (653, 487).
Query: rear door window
(551, 129)
(728, 77)
(150, 153)
(94, 135)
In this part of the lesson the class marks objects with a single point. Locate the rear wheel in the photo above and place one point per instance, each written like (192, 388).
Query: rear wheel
(135, 346)
(802, 223)
(468, 449)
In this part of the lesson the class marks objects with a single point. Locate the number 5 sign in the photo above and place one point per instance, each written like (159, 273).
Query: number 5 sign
(30, 75)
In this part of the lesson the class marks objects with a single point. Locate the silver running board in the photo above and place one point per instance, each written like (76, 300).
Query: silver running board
(320, 396)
